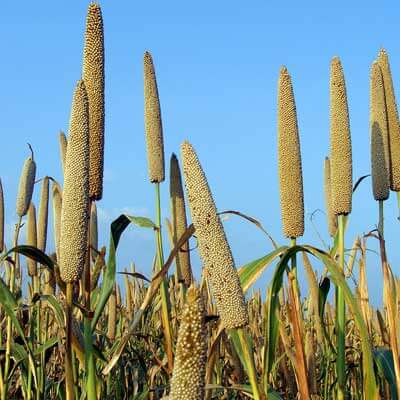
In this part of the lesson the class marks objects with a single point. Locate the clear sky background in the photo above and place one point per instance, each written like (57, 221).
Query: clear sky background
(217, 65)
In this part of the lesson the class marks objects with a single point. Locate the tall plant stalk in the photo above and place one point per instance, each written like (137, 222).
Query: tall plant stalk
(249, 359)
(89, 357)
(13, 267)
(69, 378)
(389, 299)
(163, 287)
(341, 317)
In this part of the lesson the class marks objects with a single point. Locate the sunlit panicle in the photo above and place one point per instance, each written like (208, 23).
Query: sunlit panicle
(330, 215)
(93, 76)
(31, 239)
(393, 121)
(341, 157)
(188, 377)
(379, 136)
(43, 214)
(289, 160)
(26, 184)
(75, 198)
(179, 222)
(213, 245)
(153, 124)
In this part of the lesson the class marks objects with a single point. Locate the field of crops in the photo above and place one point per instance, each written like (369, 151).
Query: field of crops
(73, 325)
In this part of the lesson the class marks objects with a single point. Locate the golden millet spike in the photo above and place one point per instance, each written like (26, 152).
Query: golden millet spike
(379, 136)
(179, 222)
(393, 121)
(1, 218)
(330, 215)
(188, 377)
(289, 160)
(63, 148)
(213, 245)
(112, 315)
(26, 184)
(75, 198)
(31, 239)
(93, 76)
(57, 205)
(153, 124)
(43, 215)
(341, 161)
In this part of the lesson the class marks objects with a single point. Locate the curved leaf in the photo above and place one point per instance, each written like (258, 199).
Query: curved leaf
(250, 272)
(142, 222)
(384, 361)
(32, 253)
(370, 386)
(117, 227)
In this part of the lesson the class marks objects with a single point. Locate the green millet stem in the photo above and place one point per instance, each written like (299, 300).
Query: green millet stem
(294, 259)
(248, 356)
(69, 379)
(163, 287)
(381, 224)
(89, 358)
(341, 319)
(13, 267)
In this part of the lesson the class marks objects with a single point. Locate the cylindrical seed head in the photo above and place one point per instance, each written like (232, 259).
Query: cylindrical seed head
(49, 279)
(289, 160)
(379, 136)
(341, 160)
(1, 218)
(94, 243)
(26, 184)
(112, 315)
(57, 205)
(43, 214)
(63, 148)
(393, 121)
(93, 76)
(330, 215)
(75, 202)
(179, 222)
(153, 124)
(31, 239)
(188, 377)
(213, 245)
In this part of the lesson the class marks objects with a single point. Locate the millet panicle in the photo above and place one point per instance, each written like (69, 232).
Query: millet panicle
(289, 160)
(93, 76)
(213, 245)
(153, 123)
(75, 197)
(340, 142)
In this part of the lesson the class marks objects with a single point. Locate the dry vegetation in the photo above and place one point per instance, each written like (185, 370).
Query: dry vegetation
(71, 330)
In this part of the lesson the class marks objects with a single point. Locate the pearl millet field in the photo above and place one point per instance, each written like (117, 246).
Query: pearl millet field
(73, 327)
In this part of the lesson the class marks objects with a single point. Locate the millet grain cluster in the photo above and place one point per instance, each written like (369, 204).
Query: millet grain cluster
(179, 222)
(26, 184)
(289, 160)
(75, 198)
(213, 246)
(379, 136)
(43, 214)
(93, 76)
(153, 123)
(31, 238)
(330, 215)
(188, 378)
(340, 151)
(393, 121)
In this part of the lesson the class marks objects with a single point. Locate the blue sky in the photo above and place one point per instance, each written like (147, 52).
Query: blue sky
(217, 66)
